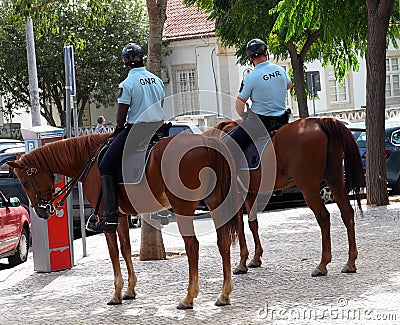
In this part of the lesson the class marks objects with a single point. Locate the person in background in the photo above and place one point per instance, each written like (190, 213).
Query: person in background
(100, 128)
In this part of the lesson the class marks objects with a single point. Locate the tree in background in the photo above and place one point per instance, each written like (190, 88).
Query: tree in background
(156, 10)
(379, 20)
(152, 244)
(98, 35)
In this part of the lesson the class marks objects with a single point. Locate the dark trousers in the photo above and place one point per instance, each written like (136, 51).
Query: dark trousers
(133, 138)
(253, 127)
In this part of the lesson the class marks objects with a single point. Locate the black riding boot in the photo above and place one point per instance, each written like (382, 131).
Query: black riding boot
(109, 222)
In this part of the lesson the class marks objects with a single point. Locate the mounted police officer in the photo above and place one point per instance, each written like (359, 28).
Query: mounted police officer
(139, 115)
(266, 86)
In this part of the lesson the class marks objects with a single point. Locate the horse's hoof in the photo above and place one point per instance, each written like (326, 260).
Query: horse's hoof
(128, 297)
(318, 272)
(254, 264)
(114, 303)
(240, 270)
(222, 301)
(347, 269)
(183, 306)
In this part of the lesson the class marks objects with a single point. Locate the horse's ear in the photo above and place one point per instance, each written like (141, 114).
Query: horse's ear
(13, 164)
(18, 155)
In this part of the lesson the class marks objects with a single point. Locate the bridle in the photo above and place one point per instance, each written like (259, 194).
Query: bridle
(40, 201)
(48, 204)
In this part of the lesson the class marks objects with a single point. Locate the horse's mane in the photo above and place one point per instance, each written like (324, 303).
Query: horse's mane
(64, 153)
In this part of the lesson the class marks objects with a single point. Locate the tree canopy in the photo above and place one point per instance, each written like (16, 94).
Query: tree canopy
(334, 32)
(98, 34)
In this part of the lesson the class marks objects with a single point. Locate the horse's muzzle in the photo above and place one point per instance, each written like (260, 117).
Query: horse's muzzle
(45, 211)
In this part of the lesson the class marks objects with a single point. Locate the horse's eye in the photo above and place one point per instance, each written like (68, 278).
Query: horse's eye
(25, 184)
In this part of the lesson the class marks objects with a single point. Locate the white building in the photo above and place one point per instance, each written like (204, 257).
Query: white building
(201, 75)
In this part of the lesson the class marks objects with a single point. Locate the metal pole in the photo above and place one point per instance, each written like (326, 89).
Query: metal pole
(68, 133)
(32, 73)
(76, 133)
(313, 92)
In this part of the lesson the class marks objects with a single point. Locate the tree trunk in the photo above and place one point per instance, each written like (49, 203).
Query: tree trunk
(298, 73)
(379, 13)
(157, 16)
(152, 245)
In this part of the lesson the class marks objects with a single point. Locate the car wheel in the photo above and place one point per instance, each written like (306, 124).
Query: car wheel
(326, 195)
(21, 254)
(396, 188)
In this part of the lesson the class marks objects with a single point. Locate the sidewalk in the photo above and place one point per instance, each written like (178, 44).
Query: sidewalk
(281, 291)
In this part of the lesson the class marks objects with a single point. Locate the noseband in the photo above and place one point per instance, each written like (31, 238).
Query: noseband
(40, 201)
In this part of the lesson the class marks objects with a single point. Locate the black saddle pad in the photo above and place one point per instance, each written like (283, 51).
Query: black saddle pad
(252, 154)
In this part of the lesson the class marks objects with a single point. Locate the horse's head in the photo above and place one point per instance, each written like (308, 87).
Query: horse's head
(38, 185)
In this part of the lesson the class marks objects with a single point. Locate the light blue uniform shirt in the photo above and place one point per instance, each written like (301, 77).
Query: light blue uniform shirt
(143, 92)
(266, 86)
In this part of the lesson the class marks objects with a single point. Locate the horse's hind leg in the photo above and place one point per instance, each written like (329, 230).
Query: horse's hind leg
(322, 215)
(125, 244)
(118, 280)
(186, 228)
(224, 244)
(347, 214)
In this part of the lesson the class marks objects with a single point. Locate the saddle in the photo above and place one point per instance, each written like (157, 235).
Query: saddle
(138, 160)
(253, 154)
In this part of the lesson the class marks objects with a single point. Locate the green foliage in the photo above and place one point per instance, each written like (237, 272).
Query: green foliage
(97, 41)
(341, 27)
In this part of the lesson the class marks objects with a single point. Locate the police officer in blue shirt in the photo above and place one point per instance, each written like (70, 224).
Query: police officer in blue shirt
(139, 115)
(266, 86)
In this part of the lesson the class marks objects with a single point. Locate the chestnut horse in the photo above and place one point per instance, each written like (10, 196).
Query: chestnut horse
(202, 172)
(304, 153)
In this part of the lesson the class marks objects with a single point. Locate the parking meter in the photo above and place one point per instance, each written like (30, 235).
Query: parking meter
(51, 239)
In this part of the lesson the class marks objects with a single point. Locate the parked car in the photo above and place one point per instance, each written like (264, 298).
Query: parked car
(183, 126)
(10, 143)
(15, 230)
(392, 150)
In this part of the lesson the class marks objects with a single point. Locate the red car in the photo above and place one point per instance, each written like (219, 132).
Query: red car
(14, 230)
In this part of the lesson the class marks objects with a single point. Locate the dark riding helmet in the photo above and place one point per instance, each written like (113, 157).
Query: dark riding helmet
(256, 47)
(132, 53)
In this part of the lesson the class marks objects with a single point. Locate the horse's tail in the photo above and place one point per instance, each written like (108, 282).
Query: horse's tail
(338, 133)
(226, 186)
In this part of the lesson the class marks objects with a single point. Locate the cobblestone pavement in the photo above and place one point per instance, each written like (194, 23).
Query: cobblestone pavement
(281, 291)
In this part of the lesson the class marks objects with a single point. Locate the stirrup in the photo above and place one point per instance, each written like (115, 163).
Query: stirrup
(103, 225)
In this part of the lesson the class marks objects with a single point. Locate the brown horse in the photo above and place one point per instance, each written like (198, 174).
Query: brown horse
(166, 185)
(304, 153)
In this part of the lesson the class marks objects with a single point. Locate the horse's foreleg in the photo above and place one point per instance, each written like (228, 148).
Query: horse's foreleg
(256, 260)
(253, 225)
(224, 244)
(241, 268)
(125, 244)
(114, 256)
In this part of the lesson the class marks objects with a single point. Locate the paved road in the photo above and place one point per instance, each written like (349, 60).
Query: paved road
(281, 291)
